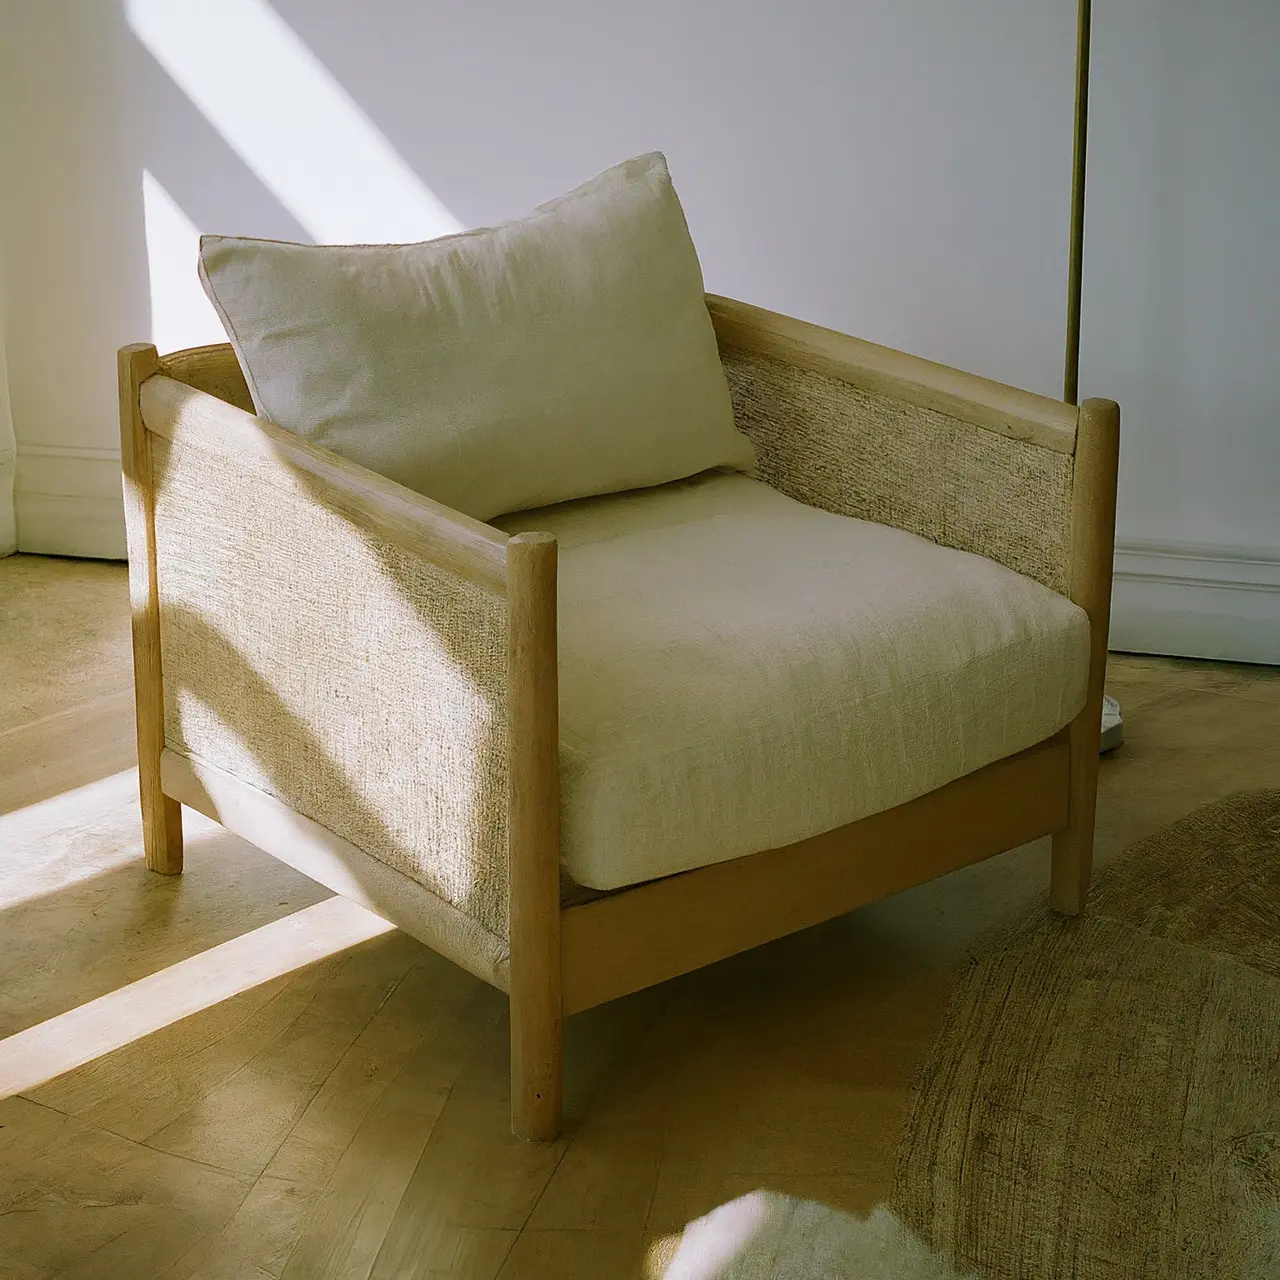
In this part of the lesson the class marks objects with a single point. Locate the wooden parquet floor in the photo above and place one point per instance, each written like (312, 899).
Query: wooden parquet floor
(285, 1087)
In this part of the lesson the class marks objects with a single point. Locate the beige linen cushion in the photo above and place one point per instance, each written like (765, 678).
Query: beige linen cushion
(568, 353)
(739, 671)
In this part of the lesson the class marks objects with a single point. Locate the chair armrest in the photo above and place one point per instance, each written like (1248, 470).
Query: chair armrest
(335, 641)
(213, 368)
(865, 431)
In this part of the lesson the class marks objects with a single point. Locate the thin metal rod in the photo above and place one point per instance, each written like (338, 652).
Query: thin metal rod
(1071, 369)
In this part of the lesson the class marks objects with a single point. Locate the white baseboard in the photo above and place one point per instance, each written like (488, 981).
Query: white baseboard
(54, 524)
(1197, 602)
(67, 501)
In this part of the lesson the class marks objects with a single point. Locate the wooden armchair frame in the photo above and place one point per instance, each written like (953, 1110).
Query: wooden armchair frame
(570, 953)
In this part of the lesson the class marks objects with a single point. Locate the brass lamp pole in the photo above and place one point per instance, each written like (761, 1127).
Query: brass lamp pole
(1112, 721)
(1075, 261)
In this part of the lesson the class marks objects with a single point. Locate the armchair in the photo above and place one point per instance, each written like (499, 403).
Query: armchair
(367, 684)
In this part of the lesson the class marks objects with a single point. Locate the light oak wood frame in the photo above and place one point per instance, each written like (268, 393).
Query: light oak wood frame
(161, 814)
(566, 956)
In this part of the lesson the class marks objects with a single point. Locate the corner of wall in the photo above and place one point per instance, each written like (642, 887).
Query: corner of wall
(8, 463)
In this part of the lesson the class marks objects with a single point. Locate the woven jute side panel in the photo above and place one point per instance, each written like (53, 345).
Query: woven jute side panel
(361, 686)
(857, 453)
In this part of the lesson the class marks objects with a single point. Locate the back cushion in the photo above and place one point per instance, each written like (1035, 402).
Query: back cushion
(566, 354)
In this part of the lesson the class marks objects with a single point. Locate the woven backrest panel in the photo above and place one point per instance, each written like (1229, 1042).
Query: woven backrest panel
(364, 688)
(858, 453)
(214, 370)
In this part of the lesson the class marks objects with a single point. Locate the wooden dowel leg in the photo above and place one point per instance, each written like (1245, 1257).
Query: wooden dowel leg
(1073, 847)
(162, 834)
(536, 1073)
(534, 838)
(161, 816)
(1093, 523)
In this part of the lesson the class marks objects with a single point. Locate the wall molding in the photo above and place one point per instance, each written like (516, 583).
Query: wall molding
(60, 524)
(67, 501)
(94, 453)
(1197, 601)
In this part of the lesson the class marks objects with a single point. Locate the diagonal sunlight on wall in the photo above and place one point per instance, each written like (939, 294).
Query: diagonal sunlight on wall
(59, 1044)
(278, 107)
(181, 315)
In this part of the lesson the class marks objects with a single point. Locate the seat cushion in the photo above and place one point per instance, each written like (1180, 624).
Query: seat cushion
(564, 354)
(739, 671)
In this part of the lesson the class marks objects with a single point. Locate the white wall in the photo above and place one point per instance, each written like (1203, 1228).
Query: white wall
(8, 460)
(75, 268)
(900, 171)
(8, 441)
(1182, 316)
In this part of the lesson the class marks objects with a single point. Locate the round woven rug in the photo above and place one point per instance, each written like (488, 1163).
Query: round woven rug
(1103, 1102)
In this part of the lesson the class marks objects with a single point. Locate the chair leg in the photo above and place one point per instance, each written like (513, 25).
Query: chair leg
(161, 814)
(162, 832)
(1073, 846)
(533, 841)
(536, 1065)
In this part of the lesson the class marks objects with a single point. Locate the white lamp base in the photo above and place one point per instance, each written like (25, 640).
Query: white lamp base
(1112, 724)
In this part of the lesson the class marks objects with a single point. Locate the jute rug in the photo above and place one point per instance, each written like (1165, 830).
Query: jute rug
(1103, 1102)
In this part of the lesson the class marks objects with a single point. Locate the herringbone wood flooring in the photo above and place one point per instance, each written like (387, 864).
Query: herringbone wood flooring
(345, 1115)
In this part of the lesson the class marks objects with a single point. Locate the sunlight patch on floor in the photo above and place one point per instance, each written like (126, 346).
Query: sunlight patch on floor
(78, 834)
(47, 815)
(59, 1044)
(34, 840)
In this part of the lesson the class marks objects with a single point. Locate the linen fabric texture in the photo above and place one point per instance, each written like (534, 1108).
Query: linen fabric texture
(739, 668)
(739, 671)
(565, 354)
